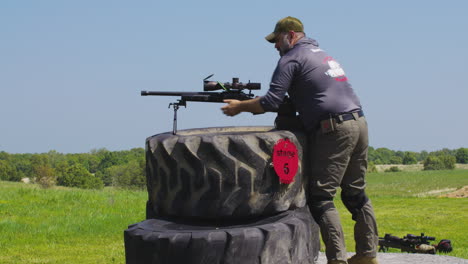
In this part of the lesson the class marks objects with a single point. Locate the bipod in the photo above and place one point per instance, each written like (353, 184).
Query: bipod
(176, 107)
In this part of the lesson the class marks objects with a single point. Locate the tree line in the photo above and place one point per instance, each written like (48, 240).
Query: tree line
(437, 160)
(92, 170)
(126, 169)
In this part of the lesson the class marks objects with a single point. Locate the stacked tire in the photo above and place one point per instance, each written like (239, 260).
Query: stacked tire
(214, 197)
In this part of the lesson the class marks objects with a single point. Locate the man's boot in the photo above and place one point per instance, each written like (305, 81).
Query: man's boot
(362, 260)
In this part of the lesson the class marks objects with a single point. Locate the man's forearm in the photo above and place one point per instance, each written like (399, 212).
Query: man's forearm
(234, 107)
(252, 106)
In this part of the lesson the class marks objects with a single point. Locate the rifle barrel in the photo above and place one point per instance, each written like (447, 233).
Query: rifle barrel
(145, 93)
(202, 96)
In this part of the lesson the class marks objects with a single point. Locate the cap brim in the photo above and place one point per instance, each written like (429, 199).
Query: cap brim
(271, 37)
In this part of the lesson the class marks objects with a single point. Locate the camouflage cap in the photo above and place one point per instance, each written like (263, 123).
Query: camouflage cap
(285, 25)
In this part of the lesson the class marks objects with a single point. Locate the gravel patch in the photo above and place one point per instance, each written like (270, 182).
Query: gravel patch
(406, 258)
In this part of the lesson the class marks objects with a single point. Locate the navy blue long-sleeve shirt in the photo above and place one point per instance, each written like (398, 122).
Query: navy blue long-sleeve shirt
(315, 82)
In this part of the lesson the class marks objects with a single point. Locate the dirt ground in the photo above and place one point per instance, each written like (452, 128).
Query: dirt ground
(460, 193)
(406, 258)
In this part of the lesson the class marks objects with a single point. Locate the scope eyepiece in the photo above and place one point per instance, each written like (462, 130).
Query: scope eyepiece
(253, 86)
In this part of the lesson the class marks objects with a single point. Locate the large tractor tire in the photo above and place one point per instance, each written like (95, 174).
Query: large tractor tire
(224, 172)
(291, 237)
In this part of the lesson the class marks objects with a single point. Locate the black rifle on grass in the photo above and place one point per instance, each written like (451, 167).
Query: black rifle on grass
(414, 244)
(234, 90)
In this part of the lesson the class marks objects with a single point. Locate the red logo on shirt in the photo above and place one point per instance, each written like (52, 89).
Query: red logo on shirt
(335, 70)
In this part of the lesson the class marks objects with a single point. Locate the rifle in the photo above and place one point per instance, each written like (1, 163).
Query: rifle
(234, 90)
(414, 244)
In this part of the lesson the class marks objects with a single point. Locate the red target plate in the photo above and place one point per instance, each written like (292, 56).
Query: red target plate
(285, 160)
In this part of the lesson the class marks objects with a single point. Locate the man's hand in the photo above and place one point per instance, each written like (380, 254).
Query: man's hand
(232, 108)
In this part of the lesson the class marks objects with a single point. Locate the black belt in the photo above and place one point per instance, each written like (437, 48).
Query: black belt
(339, 118)
(347, 116)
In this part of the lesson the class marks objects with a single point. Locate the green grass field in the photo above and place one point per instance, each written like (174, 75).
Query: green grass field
(63, 225)
(408, 202)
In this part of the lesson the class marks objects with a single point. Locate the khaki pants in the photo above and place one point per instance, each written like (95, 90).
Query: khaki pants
(339, 159)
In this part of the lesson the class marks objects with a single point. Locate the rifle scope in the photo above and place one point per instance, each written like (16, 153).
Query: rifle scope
(236, 85)
(422, 237)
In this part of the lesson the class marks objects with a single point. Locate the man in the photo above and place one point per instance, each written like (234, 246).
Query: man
(332, 115)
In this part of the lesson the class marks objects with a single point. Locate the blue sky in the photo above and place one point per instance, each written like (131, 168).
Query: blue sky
(71, 72)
